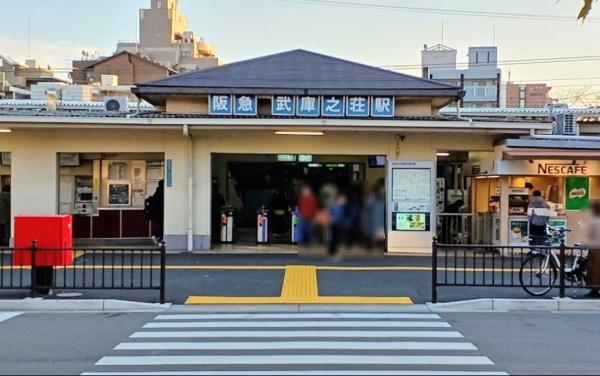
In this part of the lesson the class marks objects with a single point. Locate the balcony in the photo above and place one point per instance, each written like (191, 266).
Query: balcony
(480, 93)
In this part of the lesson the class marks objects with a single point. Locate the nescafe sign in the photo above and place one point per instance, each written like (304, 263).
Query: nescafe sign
(562, 169)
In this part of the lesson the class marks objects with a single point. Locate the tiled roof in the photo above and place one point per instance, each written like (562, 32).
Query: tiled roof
(297, 72)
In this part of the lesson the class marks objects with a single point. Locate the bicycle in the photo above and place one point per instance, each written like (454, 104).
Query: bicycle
(539, 271)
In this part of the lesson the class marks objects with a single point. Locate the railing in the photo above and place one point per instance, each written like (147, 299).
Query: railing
(480, 92)
(465, 228)
(468, 265)
(135, 268)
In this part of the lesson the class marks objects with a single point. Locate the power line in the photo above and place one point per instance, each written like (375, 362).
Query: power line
(444, 11)
(544, 60)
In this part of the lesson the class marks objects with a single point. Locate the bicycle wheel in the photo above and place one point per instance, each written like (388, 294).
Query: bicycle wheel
(538, 274)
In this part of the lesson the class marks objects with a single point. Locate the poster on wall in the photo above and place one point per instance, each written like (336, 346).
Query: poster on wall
(577, 192)
(412, 198)
(519, 232)
(557, 223)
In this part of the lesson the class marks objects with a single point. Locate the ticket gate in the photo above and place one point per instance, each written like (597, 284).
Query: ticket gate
(294, 230)
(262, 226)
(228, 225)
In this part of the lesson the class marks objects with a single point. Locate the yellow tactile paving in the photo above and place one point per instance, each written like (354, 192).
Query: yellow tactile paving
(300, 286)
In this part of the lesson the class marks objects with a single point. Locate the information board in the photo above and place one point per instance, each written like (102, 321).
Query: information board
(411, 195)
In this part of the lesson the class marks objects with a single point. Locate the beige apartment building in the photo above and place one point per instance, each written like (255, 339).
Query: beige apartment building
(166, 38)
(249, 127)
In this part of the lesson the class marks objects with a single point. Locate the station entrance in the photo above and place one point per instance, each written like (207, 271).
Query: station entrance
(248, 187)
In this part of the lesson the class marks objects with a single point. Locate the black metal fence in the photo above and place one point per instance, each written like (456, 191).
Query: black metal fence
(130, 268)
(471, 265)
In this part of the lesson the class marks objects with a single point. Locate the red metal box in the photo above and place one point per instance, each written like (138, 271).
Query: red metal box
(54, 239)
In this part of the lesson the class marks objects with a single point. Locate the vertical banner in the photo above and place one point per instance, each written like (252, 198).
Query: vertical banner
(577, 192)
(169, 173)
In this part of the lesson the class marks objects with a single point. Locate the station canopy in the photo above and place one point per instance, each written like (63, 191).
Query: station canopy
(296, 72)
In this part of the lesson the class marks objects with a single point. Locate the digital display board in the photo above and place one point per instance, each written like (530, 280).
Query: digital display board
(411, 221)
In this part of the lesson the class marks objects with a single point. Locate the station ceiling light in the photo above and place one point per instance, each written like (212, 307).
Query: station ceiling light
(443, 154)
(300, 133)
(5, 130)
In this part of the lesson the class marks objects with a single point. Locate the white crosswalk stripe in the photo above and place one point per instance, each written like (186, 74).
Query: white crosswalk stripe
(296, 344)
(9, 315)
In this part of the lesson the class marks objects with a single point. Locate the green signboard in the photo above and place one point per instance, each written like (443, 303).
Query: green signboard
(577, 193)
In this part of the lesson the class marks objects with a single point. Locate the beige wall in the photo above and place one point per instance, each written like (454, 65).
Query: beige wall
(34, 168)
(414, 147)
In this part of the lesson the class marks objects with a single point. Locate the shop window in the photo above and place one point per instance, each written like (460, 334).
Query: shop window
(89, 183)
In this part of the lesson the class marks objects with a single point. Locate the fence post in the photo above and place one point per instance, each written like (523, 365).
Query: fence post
(562, 258)
(33, 292)
(163, 271)
(434, 257)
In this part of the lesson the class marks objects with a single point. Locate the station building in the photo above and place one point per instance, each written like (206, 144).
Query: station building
(248, 127)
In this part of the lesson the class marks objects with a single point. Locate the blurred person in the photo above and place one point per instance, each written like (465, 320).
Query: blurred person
(5, 215)
(328, 194)
(593, 259)
(537, 213)
(353, 215)
(337, 213)
(375, 217)
(308, 207)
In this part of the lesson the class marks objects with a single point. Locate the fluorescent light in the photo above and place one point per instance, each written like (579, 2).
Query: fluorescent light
(487, 177)
(443, 154)
(299, 133)
(5, 130)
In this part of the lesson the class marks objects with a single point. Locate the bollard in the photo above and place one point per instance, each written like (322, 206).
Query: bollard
(33, 270)
(163, 271)
(562, 258)
(434, 256)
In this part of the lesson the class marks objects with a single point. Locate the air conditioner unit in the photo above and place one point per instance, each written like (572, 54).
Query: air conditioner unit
(116, 104)
(566, 124)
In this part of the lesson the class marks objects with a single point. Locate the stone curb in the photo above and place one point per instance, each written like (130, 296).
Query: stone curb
(82, 305)
(511, 305)
(297, 308)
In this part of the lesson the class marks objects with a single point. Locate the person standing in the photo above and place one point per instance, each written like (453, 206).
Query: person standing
(538, 216)
(336, 211)
(155, 209)
(5, 215)
(308, 206)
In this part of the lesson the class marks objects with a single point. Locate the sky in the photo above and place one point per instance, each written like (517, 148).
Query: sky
(242, 29)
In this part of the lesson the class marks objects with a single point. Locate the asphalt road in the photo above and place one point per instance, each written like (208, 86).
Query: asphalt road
(518, 343)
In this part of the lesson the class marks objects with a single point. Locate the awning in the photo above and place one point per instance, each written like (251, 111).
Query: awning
(529, 153)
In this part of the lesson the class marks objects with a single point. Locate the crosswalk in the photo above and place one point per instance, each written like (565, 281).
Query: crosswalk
(296, 344)
(9, 315)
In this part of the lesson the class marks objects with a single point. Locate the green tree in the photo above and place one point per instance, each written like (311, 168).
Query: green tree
(587, 6)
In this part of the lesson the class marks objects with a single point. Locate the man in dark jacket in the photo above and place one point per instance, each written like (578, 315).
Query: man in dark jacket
(538, 215)
(155, 210)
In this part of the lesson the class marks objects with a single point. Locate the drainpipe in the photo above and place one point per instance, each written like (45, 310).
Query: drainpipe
(190, 193)
(458, 115)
